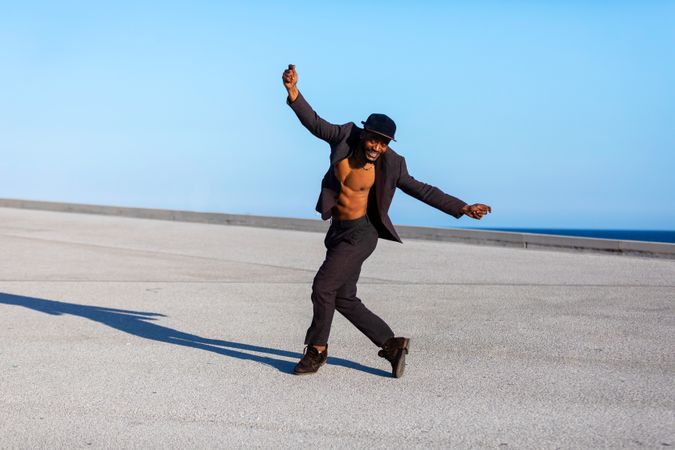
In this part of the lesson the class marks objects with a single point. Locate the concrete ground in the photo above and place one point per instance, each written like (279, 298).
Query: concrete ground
(130, 333)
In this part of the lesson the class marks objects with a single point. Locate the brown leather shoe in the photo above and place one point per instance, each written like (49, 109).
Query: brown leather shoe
(311, 361)
(394, 351)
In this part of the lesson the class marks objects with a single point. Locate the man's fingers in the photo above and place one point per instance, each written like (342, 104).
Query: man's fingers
(289, 75)
(484, 209)
(477, 211)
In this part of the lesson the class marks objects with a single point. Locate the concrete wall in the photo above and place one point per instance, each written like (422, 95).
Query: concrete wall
(482, 237)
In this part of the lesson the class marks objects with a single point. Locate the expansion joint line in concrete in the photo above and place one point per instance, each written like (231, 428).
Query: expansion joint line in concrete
(155, 252)
(361, 283)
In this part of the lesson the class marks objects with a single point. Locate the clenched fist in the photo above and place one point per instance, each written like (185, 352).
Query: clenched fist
(290, 79)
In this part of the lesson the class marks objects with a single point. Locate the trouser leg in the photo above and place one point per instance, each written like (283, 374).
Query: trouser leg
(350, 306)
(346, 251)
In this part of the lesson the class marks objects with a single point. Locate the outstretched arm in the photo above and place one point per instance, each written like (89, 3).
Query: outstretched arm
(429, 194)
(433, 196)
(308, 117)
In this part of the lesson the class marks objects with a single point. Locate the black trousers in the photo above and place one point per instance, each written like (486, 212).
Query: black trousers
(348, 244)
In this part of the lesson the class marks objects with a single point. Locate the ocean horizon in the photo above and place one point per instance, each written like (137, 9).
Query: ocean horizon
(667, 236)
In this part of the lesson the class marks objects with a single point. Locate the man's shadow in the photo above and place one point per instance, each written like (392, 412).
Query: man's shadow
(140, 324)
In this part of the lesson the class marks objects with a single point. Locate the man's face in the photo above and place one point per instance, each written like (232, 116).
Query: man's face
(374, 145)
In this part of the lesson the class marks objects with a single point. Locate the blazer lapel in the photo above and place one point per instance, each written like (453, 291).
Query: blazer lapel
(380, 175)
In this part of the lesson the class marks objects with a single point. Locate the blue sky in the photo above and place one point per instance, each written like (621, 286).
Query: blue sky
(558, 114)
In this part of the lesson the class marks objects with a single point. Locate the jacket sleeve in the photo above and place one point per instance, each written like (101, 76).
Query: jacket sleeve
(316, 125)
(429, 194)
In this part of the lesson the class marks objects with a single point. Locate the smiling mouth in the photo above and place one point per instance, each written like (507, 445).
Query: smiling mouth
(372, 155)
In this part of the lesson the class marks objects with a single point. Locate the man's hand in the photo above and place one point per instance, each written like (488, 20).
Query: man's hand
(290, 79)
(476, 211)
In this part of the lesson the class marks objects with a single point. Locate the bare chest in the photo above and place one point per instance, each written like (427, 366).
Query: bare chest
(354, 178)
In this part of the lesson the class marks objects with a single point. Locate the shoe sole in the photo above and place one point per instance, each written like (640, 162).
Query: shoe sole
(400, 364)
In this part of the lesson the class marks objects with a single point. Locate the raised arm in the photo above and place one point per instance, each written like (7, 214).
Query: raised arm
(308, 117)
(290, 78)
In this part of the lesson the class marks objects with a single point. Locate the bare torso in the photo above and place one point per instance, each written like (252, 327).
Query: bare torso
(355, 183)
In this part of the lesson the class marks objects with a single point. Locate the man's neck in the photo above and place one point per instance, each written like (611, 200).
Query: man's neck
(358, 160)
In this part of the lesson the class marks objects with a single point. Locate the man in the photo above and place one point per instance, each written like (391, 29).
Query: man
(356, 193)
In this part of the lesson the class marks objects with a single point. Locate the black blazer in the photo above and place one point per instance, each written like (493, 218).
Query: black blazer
(390, 173)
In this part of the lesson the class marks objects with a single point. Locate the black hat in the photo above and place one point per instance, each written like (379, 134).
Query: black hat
(380, 124)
